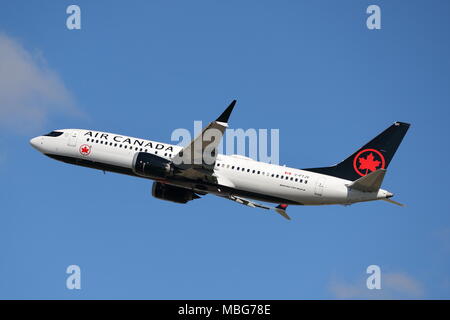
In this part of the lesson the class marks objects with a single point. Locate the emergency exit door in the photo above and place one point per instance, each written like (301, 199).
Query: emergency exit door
(72, 139)
(318, 191)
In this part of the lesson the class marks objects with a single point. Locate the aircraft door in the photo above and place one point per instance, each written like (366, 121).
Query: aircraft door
(72, 139)
(318, 191)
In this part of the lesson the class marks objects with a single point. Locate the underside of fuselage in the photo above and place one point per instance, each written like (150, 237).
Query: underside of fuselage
(200, 187)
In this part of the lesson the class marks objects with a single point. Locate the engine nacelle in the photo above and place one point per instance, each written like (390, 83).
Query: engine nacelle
(171, 193)
(151, 166)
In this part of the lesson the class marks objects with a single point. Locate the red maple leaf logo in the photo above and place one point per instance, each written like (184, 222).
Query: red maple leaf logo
(85, 149)
(368, 163)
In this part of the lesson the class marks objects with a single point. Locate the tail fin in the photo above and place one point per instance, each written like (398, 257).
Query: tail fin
(377, 154)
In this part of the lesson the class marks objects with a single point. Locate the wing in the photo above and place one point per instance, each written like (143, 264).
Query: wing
(280, 209)
(197, 159)
(394, 202)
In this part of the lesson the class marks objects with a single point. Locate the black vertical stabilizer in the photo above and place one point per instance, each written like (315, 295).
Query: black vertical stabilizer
(377, 154)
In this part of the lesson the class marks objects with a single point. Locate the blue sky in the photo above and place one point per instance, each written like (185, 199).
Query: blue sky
(309, 68)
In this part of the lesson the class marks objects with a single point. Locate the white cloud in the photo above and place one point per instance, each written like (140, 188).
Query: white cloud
(343, 290)
(402, 283)
(393, 286)
(29, 89)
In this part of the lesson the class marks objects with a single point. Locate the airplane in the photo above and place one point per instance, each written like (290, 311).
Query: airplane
(183, 174)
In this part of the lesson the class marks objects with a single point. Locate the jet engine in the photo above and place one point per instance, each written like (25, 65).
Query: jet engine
(171, 193)
(151, 166)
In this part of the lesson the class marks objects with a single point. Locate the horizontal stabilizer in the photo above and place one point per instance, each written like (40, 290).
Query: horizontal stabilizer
(370, 182)
(281, 209)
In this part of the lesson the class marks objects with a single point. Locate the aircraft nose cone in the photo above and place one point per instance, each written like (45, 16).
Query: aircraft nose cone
(35, 143)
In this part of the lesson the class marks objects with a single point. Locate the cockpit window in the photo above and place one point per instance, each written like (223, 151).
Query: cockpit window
(53, 134)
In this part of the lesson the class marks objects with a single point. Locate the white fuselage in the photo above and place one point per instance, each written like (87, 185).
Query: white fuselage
(235, 174)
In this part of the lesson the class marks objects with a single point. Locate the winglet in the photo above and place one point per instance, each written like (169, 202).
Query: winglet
(226, 114)
(281, 209)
